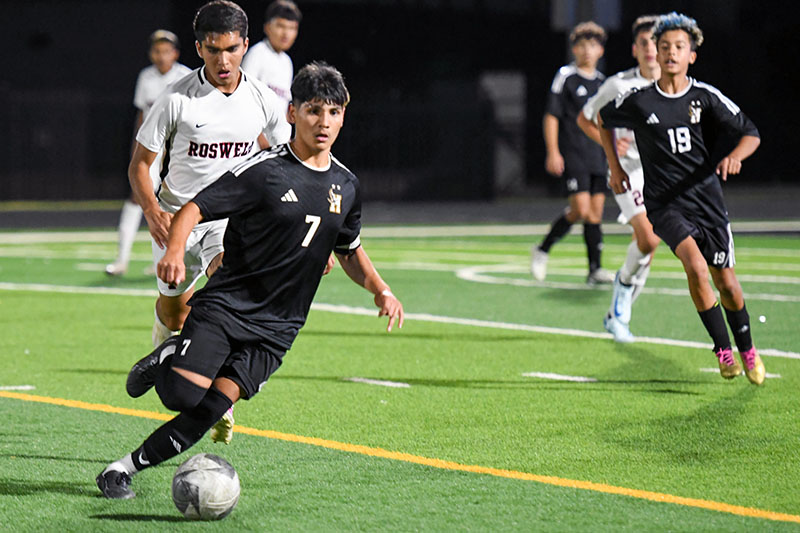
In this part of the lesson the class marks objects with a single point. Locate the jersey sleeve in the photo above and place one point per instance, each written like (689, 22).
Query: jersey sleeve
(277, 129)
(620, 112)
(139, 101)
(349, 237)
(159, 123)
(606, 93)
(730, 116)
(554, 105)
(229, 195)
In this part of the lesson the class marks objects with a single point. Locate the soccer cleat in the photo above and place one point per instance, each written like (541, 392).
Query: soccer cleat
(618, 329)
(222, 431)
(115, 485)
(116, 269)
(728, 367)
(753, 366)
(538, 263)
(142, 376)
(599, 276)
(621, 301)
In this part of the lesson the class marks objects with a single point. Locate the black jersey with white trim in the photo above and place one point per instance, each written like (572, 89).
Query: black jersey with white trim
(675, 134)
(284, 219)
(568, 94)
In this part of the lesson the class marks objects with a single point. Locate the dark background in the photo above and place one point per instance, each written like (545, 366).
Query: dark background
(419, 127)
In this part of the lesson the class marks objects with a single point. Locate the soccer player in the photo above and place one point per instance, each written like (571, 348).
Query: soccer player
(207, 122)
(289, 207)
(573, 156)
(267, 60)
(631, 277)
(683, 196)
(164, 51)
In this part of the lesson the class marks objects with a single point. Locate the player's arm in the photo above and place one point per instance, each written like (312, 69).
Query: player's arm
(554, 163)
(358, 266)
(171, 268)
(732, 163)
(139, 176)
(618, 180)
(136, 125)
(589, 128)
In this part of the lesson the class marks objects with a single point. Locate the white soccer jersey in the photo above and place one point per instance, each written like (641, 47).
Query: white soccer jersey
(149, 85)
(273, 68)
(207, 132)
(152, 83)
(618, 84)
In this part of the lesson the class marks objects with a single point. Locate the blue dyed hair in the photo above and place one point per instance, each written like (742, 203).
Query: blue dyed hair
(679, 21)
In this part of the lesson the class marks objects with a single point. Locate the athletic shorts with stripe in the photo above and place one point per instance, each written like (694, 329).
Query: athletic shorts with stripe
(716, 243)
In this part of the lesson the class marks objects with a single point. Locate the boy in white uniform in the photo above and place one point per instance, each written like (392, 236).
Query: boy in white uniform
(267, 60)
(152, 80)
(631, 277)
(208, 121)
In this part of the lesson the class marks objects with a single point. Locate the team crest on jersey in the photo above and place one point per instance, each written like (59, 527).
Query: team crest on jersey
(582, 91)
(694, 112)
(334, 199)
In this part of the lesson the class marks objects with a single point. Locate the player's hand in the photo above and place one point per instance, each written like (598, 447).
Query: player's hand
(171, 269)
(623, 143)
(619, 181)
(158, 221)
(329, 266)
(390, 306)
(554, 164)
(729, 165)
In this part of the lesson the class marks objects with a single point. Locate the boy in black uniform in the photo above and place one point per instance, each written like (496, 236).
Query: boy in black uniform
(571, 155)
(672, 120)
(289, 207)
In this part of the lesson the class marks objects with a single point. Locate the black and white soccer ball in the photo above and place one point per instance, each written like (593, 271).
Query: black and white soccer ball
(205, 487)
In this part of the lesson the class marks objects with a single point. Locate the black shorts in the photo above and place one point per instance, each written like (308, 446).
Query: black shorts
(575, 182)
(214, 344)
(716, 244)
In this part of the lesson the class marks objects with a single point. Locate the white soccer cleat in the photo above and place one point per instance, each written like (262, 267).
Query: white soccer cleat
(538, 263)
(622, 301)
(599, 276)
(620, 331)
(222, 431)
(116, 269)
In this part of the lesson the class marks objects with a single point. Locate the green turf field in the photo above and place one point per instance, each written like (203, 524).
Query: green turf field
(478, 431)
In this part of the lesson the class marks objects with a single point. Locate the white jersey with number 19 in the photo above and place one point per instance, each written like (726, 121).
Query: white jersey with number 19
(207, 132)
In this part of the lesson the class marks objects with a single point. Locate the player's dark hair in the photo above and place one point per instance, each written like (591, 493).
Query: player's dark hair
(679, 21)
(219, 16)
(283, 9)
(643, 23)
(587, 30)
(164, 36)
(319, 81)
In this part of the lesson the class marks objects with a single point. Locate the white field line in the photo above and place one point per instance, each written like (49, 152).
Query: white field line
(17, 387)
(559, 377)
(475, 274)
(378, 382)
(423, 317)
(716, 370)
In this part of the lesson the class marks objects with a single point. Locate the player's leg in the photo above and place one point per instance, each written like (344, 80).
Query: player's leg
(593, 233)
(129, 220)
(637, 261)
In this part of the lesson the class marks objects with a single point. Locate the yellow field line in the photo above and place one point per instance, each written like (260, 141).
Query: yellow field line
(432, 462)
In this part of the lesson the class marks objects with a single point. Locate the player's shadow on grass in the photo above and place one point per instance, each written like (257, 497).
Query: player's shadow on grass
(100, 371)
(27, 487)
(130, 517)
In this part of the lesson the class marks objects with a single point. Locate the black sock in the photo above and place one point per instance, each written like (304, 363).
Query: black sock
(593, 235)
(715, 325)
(739, 321)
(558, 229)
(183, 431)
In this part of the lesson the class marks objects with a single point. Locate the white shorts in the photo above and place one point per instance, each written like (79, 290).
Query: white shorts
(203, 245)
(631, 202)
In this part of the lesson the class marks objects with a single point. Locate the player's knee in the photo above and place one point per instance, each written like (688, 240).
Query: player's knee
(174, 320)
(178, 393)
(696, 269)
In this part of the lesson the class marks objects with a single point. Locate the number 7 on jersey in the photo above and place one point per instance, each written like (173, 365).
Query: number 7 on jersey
(314, 220)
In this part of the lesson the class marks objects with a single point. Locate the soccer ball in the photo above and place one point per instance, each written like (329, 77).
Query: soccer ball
(205, 487)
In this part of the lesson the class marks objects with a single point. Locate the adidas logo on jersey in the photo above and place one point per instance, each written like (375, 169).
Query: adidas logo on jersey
(652, 119)
(290, 196)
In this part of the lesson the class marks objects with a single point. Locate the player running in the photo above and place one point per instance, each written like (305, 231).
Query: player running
(682, 191)
(570, 155)
(289, 208)
(165, 69)
(631, 277)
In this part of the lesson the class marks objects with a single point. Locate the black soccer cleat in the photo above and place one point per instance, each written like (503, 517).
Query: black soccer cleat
(115, 485)
(142, 376)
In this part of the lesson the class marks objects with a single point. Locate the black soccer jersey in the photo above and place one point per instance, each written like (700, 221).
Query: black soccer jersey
(675, 134)
(568, 93)
(285, 218)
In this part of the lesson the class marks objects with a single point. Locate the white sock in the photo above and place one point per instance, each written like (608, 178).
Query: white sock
(639, 280)
(123, 465)
(129, 220)
(635, 262)
(160, 331)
